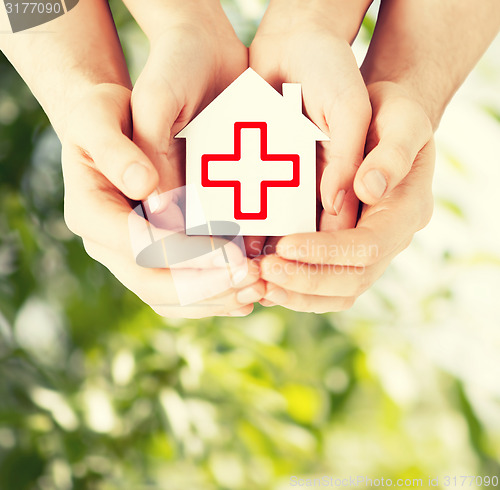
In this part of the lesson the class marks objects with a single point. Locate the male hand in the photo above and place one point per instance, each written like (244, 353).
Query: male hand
(104, 172)
(328, 270)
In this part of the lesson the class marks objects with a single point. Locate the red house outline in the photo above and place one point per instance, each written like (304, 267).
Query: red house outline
(264, 156)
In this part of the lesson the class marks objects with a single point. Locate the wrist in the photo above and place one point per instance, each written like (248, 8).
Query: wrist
(60, 114)
(290, 16)
(433, 103)
(397, 95)
(58, 91)
(79, 52)
(161, 16)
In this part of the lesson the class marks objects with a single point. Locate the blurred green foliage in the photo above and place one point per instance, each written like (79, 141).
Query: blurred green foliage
(97, 392)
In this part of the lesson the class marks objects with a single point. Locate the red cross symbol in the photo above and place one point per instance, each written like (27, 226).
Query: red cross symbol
(208, 161)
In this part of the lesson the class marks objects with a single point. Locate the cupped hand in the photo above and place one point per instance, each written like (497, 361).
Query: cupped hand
(328, 270)
(104, 173)
(189, 64)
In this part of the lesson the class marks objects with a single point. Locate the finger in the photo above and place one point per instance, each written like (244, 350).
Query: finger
(179, 249)
(229, 305)
(320, 279)
(358, 247)
(95, 210)
(382, 229)
(270, 246)
(103, 138)
(197, 312)
(363, 246)
(348, 119)
(245, 311)
(306, 303)
(155, 108)
(402, 130)
(157, 101)
(93, 207)
(167, 289)
(156, 246)
(347, 217)
(254, 245)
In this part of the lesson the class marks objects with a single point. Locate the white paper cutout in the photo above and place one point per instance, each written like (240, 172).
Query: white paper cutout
(251, 156)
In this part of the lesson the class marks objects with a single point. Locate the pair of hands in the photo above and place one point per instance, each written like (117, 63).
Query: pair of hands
(107, 165)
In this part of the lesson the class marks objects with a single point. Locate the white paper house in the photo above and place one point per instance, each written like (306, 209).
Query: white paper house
(251, 158)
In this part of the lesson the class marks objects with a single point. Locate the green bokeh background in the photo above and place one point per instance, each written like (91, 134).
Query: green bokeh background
(97, 392)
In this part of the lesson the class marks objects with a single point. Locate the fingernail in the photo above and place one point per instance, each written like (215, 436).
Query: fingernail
(277, 296)
(154, 201)
(136, 177)
(339, 202)
(375, 183)
(248, 295)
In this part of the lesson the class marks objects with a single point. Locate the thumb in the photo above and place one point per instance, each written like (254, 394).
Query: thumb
(155, 109)
(348, 124)
(100, 136)
(402, 130)
(154, 112)
(125, 165)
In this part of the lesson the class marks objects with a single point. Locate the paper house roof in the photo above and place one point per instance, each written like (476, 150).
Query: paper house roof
(252, 98)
